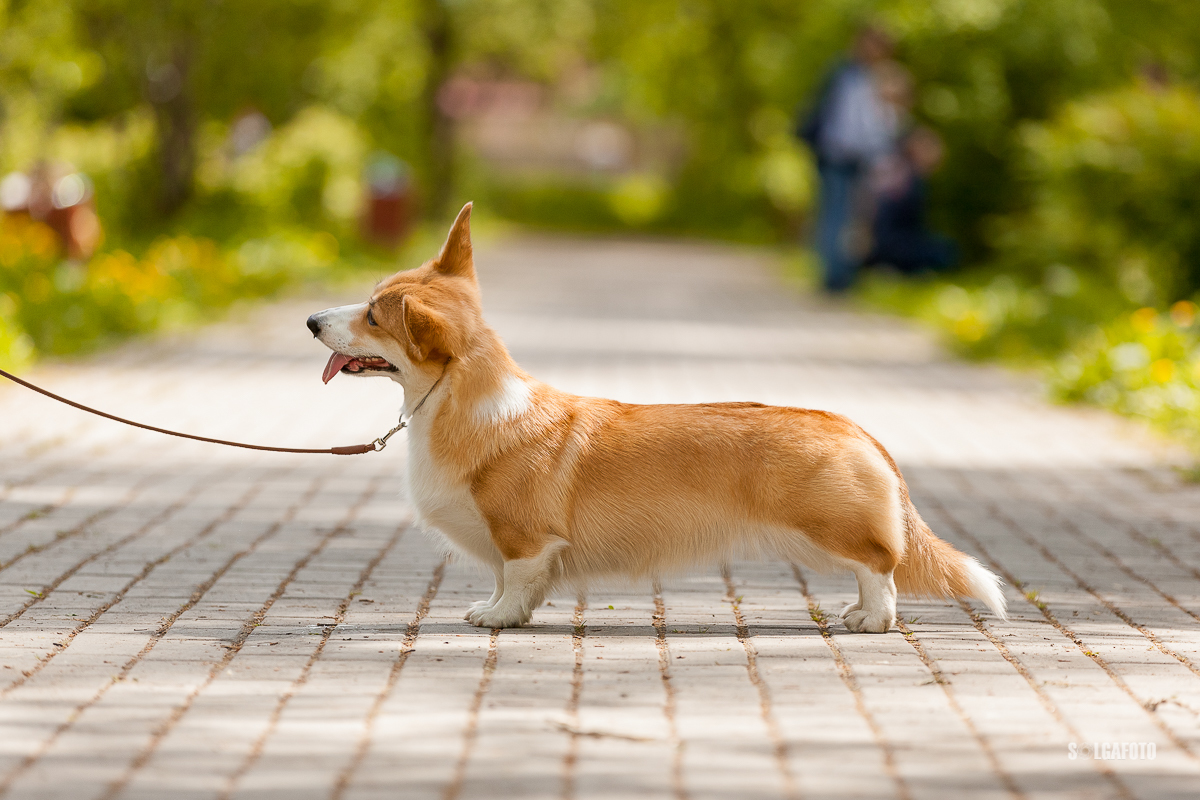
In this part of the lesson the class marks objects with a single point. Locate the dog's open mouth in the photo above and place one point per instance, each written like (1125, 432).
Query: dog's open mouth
(340, 362)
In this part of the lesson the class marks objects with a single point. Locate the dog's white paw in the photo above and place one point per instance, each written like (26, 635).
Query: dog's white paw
(855, 606)
(477, 607)
(498, 617)
(861, 621)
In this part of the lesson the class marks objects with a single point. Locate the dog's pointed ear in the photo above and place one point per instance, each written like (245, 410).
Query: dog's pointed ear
(456, 258)
(425, 329)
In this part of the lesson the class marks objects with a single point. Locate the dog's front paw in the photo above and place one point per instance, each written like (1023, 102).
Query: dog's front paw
(861, 621)
(478, 607)
(498, 617)
(848, 610)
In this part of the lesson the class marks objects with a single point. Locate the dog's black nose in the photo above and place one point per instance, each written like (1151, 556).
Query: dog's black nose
(314, 325)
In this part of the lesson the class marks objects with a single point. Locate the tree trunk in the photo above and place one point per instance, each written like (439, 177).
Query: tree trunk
(176, 127)
(439, 127)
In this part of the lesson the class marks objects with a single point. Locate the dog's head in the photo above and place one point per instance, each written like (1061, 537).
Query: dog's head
(414, 321)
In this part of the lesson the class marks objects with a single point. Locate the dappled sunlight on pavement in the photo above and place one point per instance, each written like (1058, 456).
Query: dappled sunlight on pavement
(182, 620)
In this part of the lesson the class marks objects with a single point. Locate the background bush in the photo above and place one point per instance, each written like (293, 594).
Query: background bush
(1145, 364)
(1113, 181)
(55, 306)
(1072, 131)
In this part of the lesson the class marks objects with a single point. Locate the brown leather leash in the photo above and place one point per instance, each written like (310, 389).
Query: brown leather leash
(349, 450)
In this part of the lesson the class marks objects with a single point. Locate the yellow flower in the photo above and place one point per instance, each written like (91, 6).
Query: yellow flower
(970, 328)
(22, 238)
(1143, 319)
(138, 280)
(1183, 313)
(1163, 370)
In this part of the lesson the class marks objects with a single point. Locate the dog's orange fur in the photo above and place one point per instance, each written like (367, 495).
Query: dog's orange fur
(595, 487)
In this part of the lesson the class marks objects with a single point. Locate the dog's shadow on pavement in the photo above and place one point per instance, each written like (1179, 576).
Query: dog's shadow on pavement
(593, 631)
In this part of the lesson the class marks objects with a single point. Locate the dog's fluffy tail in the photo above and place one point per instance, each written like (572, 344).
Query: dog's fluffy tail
(932, 568)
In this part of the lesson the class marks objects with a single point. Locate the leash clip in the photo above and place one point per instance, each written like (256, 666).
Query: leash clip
(381, 442)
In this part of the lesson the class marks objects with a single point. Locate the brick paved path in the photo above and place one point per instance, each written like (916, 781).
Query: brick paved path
(180, 620)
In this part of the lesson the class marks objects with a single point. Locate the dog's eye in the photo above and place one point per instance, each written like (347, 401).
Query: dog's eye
(371, 318)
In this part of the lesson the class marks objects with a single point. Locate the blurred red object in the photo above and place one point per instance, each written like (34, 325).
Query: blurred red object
(390, 205)
(62, 199)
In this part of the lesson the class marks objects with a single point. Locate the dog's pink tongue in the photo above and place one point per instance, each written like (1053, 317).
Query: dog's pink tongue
(336, 362)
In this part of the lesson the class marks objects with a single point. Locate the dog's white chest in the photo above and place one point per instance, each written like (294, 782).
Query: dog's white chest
(443, 501)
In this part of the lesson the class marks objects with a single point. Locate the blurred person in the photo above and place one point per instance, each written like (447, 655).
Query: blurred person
(894, 86)
(852, 125)
(899, 234)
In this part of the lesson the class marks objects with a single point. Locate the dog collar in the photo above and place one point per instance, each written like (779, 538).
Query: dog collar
(382, 441)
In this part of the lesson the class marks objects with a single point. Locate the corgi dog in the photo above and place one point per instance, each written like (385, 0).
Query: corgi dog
(546, 488)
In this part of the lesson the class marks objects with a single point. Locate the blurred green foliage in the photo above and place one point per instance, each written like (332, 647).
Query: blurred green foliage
(727, 78)
(1114, 195)
(54, 306)
(733, 75)
(1145, 364)
(1068, 180)
(1080, 280)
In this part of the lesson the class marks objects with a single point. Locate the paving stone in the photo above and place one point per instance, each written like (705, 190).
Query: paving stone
(184, 621)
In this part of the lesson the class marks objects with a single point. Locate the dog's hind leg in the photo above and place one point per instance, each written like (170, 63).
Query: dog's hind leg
(522, 587)
(875, 611)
